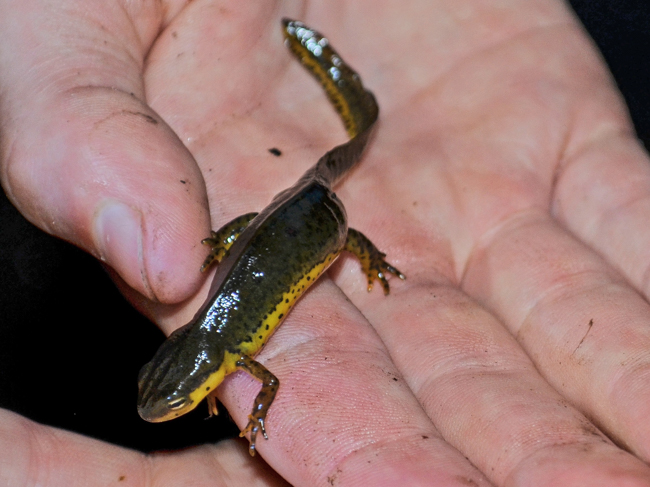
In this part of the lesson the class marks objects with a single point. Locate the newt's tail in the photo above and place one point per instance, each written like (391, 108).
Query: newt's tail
(356, 106)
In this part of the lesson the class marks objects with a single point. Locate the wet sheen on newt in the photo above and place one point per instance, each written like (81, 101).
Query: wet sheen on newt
(267, 260)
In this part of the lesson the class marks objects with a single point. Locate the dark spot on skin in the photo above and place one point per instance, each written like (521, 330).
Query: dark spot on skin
(466, 481)
(147, 117)
(183, 181)
(267, 327)
(280, 317)
(207, 388)
(590, 430)
(425, 437)
(275, 151)
(121, 478)
(589, 325)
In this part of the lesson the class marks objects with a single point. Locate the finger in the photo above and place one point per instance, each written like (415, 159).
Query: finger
(343, 413)
(472, 378)
(34, 454)
(603, 196)
(226, 464)
(486, 397)
(584, 327)
(84, 157)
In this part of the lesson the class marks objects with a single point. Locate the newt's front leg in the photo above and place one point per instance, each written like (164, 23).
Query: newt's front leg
(223, 239)
(263, 401)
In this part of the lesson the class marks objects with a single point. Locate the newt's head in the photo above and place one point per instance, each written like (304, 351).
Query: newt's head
(178, 377)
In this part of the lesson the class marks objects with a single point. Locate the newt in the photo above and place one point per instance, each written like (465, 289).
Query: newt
(267, 260)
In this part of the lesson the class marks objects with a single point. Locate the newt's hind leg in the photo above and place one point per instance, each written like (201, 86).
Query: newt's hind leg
(223, 239)
(372, 260)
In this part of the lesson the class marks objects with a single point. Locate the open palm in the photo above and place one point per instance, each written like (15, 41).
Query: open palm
(504, 180)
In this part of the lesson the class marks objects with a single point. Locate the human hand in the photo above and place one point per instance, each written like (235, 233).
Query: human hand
(475, 186)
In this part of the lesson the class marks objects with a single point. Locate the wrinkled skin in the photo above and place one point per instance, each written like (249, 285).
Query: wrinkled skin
(504, 180)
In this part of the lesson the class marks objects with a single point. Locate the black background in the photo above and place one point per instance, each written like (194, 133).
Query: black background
(81, 375)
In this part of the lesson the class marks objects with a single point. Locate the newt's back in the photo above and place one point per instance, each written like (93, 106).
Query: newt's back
(286, 249)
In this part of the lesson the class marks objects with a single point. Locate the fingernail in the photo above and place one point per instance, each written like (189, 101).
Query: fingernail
(118, 238)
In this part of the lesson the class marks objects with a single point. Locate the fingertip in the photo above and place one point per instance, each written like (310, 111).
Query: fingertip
(152, 253)
(118, 241)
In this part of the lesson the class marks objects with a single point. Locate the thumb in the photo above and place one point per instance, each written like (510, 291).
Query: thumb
(84, 157)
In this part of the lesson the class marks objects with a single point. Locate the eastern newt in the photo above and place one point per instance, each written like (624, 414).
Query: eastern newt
(267, 260)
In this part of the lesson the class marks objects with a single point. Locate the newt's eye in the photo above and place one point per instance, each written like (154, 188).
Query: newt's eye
(176, 404)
